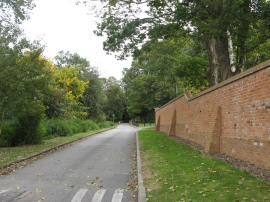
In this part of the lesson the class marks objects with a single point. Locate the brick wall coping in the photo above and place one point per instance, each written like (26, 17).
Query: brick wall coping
(235, 78)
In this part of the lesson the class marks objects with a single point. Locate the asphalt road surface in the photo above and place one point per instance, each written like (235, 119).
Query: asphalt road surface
(95, 169)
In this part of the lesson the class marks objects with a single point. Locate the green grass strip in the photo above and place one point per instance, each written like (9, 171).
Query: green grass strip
(12, 154)
(147, 124)
(175, 172)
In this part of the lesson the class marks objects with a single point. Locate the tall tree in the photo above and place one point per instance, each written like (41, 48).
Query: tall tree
(179, 60)
(68, 79)
(217, 24)
(145, 91)
(24, 82)
(114, 104)
(67, 59)
(93, 96)
(161, 70)
(15, 64)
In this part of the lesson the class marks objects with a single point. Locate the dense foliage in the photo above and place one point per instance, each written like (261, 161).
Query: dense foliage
(34, 89)
(229, 31)
(163, 70)
(184, 45)
(40, 98)
(177, 46)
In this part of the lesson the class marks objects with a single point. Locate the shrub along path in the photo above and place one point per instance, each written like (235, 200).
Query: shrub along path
(175, 172)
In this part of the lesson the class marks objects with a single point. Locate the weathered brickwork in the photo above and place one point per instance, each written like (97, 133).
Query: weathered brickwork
(231, 118)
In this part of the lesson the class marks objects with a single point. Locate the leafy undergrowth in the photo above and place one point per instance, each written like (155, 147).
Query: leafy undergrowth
(175, 172)
(12, 154)
(146, 124)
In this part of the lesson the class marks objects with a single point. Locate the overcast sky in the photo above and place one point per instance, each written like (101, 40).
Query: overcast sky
(64, 26)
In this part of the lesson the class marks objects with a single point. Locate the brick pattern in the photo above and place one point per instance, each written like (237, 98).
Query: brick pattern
(231, 118)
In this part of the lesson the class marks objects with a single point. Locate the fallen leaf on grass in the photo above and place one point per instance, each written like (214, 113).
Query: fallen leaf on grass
(211, 170)
(173, 188)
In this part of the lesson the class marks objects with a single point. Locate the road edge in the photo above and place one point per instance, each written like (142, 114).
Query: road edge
(141, 188)
(39, 155)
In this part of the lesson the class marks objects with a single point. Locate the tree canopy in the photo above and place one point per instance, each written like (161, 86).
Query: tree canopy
(34, 89)
(229, 30)
(14, 12)
(159, 73)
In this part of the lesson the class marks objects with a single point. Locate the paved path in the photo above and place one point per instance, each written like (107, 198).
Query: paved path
(96, 169)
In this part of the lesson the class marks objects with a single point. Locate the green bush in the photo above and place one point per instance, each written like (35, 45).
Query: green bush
(105, 124)
(27, 130)
(74, 126)
(57, 127)
(8, 133)
(24, 130)
(27, 118)
(30, 130)
(92, 125)
(62, 127)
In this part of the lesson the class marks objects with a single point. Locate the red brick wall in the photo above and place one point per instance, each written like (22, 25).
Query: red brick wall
(232, 117)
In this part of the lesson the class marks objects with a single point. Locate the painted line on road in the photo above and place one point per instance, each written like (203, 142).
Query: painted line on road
(118, 195)
(79, 195)
(99, 195)
(3, 191)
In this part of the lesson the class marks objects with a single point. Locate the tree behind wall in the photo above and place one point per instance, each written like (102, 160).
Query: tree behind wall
(145, 90)
(228, 29)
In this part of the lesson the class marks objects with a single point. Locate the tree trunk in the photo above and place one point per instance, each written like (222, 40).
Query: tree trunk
(231, 52)
(224, 58)
(175, 84)
(242, 35)
(219, 59)
(213, 61)
(217, 40)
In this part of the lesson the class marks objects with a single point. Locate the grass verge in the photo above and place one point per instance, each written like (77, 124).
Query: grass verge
(12, 154)
(175, 172)
(146, 124)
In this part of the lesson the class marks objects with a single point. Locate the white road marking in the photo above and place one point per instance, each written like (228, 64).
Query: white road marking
(117, 196)
(3, 191)
(99, 195)
(79, 195)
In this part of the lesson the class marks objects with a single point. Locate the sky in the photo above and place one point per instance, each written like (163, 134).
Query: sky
(62, 25)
